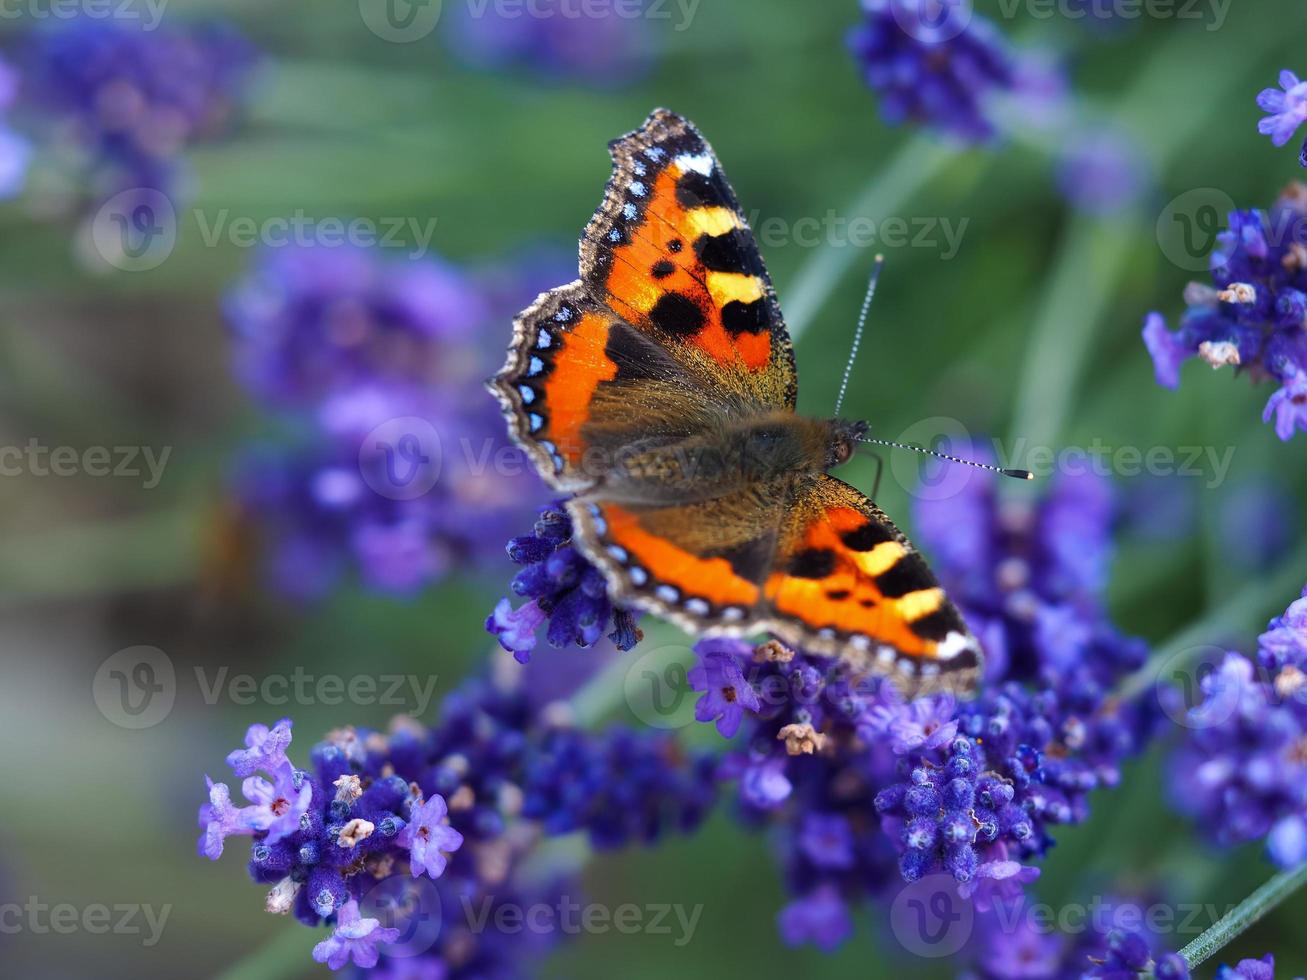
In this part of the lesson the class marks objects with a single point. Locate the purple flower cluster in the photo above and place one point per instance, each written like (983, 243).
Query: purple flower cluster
(445, 817)
(607, 45)
(15, 151)
(872, 790)
(1011, 943)
(562, 590)
(1252, 316)
(934, 63)
(401, 470)
(129, 101)
(1241, 769)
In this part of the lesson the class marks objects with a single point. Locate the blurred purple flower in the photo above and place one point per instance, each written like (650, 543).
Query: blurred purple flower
(607, 46)
(937, 63)
(1240, 769)
(1287, 108)
(399, 469)
(1103, 172)
(131, 100)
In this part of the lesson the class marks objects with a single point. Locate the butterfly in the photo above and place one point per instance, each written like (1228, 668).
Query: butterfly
(658, 390)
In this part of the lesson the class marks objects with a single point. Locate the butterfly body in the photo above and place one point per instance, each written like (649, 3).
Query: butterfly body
(659, 390)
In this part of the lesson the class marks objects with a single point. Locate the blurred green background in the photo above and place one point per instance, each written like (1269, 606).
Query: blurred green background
(1031, 329)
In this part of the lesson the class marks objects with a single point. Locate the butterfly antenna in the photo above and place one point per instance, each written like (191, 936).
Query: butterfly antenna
(1015, 474)
(857, 334)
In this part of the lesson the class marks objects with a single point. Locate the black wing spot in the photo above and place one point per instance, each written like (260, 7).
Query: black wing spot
(677, 315)
(939, 624)
(740, 318)
(838, 595)
(731, 252)
(812, 563)
(696, 190)
(675, 246)
(906, 575)
(866, 537)
(663, 268)
(750, 559)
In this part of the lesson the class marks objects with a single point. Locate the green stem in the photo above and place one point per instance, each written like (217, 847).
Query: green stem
(1273, 592)
(1244, 915)
(917, 161)
(285, 955)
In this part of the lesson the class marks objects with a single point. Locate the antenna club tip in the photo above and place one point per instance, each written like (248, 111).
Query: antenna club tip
(1019, 474)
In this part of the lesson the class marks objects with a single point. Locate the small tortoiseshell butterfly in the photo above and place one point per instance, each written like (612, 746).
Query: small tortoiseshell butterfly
(659, 389)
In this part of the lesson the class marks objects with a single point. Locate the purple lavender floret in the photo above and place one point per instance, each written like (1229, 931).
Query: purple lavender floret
(1240, 770)
(937, 65)
(1286, 108)
(447, 816)
(401, 469)
(562, 589)
(869, 790)
(132, 100)
(1252, 316)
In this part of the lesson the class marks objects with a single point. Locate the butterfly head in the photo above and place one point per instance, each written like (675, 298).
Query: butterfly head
(843, 439)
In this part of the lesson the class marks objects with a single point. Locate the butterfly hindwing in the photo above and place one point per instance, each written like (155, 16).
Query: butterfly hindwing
(670, 252)
(813, 561)
(846, 580)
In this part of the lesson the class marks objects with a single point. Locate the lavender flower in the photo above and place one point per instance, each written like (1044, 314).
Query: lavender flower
(869, 790)
(398, 471)
(133, 100)
(446, 817)
(1241, 769)
(562, 589)
(354, 938)
(937, 70)
(1252, 316)
(609, 46)
(309, 322)
(1286, 108)
(1102, 172)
